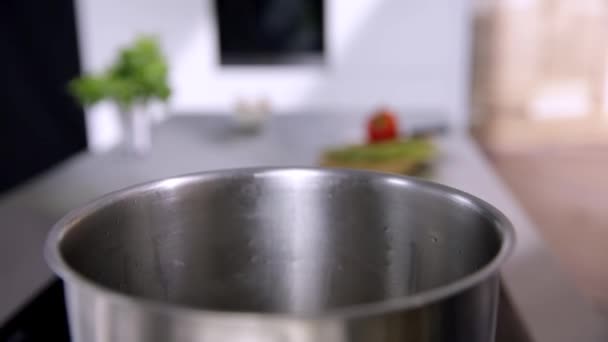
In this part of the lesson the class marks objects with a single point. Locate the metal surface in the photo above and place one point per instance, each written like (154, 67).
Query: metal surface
(282, 255)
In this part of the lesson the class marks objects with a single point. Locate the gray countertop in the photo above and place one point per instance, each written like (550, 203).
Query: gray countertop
(550, 306)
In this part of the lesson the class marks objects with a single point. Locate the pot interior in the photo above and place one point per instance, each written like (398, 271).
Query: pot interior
(283, 241)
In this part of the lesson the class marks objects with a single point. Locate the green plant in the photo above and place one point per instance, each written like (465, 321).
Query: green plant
(139, 74)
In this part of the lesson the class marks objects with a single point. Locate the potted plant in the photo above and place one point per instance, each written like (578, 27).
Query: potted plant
(137, 77)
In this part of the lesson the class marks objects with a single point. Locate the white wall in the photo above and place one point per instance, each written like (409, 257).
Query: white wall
(409, 54)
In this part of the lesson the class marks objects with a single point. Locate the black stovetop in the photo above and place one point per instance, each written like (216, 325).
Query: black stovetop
(44, 319)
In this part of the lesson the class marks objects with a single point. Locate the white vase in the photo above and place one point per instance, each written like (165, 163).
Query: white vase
(137, 129)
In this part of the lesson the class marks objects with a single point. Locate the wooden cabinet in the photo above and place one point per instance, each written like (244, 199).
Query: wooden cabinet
(539, 72)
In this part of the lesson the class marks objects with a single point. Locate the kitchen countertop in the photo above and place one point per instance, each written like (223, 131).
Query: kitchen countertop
(551, 308)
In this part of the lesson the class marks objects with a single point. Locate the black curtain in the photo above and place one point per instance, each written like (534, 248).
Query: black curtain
(40, 124)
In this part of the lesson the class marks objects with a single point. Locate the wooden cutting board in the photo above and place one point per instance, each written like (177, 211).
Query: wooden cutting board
(408, 157)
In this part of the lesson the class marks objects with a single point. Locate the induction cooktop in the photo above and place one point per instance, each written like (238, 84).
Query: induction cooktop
(43, 318)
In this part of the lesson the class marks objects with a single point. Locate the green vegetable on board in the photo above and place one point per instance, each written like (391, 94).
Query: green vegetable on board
(414, 150)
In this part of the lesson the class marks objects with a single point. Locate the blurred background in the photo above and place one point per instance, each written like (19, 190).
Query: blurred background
(278, 82)
(540, 109)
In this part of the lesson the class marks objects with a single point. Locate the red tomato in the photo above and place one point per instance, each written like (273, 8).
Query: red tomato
(382, 127)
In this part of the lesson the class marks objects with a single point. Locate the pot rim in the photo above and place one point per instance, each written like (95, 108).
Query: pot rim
(501, 224)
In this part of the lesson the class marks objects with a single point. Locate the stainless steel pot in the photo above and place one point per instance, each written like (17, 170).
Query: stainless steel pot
(290, 255)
